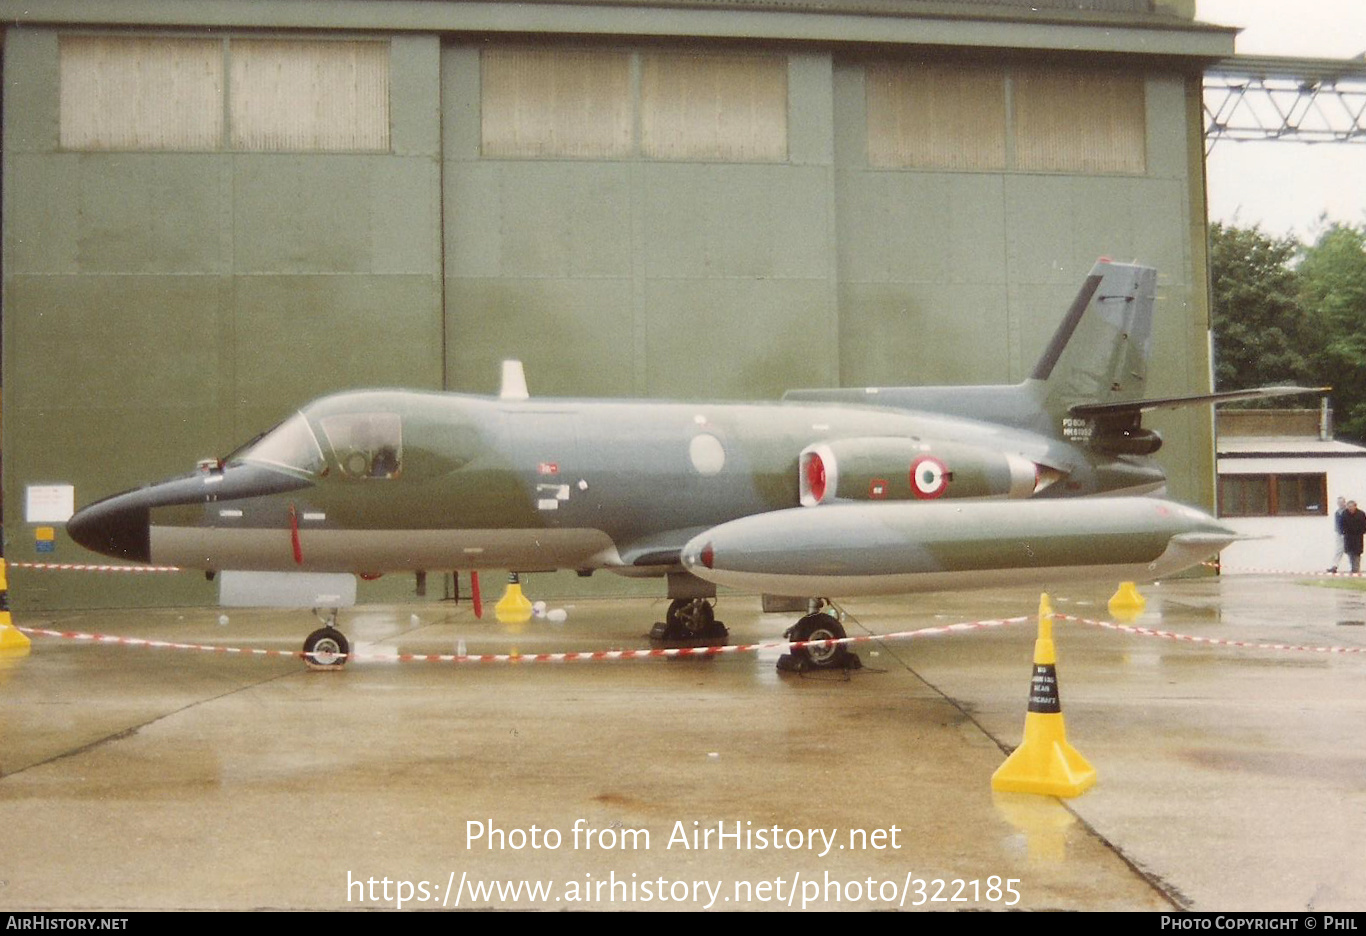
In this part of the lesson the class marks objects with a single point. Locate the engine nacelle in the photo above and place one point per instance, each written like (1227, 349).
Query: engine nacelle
(892, 468)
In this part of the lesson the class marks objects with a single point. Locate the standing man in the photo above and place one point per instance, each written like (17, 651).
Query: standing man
(1337, 530)
(1353, 530)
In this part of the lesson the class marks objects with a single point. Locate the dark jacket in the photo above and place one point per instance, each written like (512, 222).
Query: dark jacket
(1353, 529)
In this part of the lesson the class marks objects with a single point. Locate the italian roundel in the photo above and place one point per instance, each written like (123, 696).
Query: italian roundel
(929, 477)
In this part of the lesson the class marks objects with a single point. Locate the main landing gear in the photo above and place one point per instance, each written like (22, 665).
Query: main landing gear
(818, 625)
(690, 621)
(326, 648)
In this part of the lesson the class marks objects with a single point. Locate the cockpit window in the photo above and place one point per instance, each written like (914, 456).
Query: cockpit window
(290, 444)
(367, 445)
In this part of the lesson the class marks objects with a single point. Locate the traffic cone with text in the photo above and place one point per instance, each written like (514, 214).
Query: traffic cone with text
(1044, 762)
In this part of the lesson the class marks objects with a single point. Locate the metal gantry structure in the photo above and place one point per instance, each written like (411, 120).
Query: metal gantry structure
(1297, 100)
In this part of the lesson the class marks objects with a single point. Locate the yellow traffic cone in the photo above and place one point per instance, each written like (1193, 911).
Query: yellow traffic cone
(1044, 762)
(1127, 604)
(513, 607)
(11, 640)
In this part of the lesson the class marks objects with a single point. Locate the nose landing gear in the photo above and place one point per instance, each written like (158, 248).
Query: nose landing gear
(326, 649)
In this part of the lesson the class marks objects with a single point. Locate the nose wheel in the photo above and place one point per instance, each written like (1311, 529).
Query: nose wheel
(327, 648)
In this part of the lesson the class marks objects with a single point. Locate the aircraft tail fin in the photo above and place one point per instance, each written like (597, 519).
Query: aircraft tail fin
(1099, 354)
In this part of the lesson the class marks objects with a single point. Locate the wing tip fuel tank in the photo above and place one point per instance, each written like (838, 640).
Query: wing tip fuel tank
(845, 550)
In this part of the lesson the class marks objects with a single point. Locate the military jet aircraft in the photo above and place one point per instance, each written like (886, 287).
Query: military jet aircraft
(824, 494)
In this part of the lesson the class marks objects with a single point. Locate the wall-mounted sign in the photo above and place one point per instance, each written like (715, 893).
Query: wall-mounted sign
(49, 503)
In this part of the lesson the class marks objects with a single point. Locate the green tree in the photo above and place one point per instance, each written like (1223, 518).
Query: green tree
(1332, 278)
(1261, 333)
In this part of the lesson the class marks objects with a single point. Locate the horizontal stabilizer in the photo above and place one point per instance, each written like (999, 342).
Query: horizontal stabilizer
(1131, 407)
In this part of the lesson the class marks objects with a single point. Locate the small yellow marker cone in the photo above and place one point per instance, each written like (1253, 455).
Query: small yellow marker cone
(513, 607)
(1044, 763)
(1127, 604)
(11, 640)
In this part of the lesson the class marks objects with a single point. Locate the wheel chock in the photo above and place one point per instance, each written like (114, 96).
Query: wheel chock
(513, 607)
(792, 663)
(1044, 763)
(12, 641)
(1127, 604)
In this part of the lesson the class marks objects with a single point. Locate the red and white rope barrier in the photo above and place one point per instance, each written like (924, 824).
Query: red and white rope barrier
(1298, 573)
(1212, 641)
(152, 644)
(593, 656)
(1248, 570)
(81, 567)
(599, 656)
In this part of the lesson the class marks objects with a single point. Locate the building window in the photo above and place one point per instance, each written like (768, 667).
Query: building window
(141, 94)
(1273, 495)
(599, 104)
(542, 102)
(304, 96)
(939, 115)
(170, 94)
(1079, 120)
(726, 108)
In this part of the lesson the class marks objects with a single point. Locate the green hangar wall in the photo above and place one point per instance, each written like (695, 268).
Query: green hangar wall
(216, 211)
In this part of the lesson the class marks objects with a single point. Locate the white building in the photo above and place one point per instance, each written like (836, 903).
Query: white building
(1280, 475)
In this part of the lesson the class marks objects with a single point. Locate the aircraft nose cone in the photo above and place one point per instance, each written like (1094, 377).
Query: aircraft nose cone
(117, 527)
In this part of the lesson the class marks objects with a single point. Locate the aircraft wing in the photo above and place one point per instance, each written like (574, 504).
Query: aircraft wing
(1133, 407)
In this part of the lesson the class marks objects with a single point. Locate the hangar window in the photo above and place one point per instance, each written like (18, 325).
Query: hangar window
(308, 96)
(1273, 495)
(366, 445)
(965, 116)
(587, 104)
(729, 108)
(121, 93)
(942, 116)
(550, 102)
(171, 94)
(1054, 132)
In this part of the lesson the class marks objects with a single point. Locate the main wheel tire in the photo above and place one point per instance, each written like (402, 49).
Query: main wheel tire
(326, 648)
(818, 627)
(688, 619)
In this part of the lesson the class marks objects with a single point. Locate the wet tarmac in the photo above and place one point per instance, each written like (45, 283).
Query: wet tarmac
(1229, 778)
